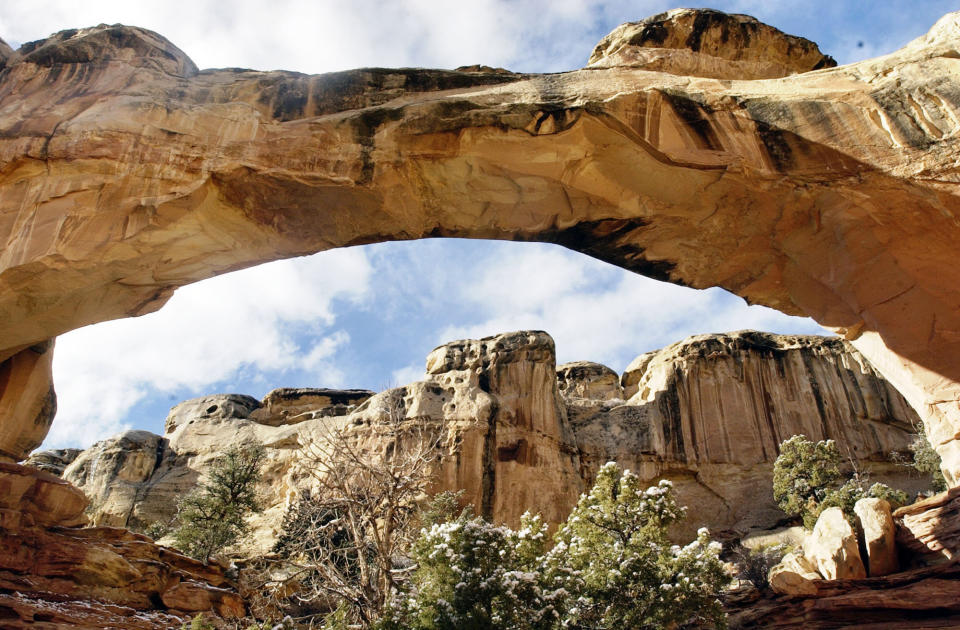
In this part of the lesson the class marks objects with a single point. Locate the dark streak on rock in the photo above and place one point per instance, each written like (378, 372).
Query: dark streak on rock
(48, 410)
(366, 126)
(609, 240)
(696, 116)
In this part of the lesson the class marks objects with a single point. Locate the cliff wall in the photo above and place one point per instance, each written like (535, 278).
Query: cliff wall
(519, 433)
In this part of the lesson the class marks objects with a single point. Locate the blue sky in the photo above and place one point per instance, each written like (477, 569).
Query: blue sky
(367, 316)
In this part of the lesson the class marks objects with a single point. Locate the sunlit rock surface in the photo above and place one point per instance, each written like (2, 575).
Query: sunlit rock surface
(54, 574)
(518, 433)
(125, 173)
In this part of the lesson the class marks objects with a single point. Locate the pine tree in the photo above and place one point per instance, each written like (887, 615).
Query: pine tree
(213, 516)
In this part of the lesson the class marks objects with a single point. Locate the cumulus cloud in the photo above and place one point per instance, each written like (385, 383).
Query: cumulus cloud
(595, 311)
(273, 318)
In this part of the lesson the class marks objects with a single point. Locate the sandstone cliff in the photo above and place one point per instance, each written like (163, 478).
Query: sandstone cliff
(521, 433)
(125, 173)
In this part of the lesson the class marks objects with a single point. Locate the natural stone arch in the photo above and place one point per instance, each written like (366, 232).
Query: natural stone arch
(125, 173)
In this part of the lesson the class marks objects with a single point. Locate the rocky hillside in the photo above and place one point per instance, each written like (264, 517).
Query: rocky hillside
(522, 433)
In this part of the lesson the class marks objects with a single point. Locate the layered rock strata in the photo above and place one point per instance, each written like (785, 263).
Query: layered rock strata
(125, 173)
(521, 434)
(56, 575)
(920, 599)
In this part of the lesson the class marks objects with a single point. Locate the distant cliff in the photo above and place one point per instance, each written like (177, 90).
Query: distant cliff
(523, 434)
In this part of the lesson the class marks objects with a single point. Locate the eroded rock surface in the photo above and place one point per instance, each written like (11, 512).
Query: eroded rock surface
(930, 529)
(56, 575)
(126, 173)
(875, 526)
(519, 433)
(832, 547)
(708, 43)
(54, 461)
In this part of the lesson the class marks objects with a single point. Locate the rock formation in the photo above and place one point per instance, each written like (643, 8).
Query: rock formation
(125, 173)
(920, 599)
(56, 575)
(521, 433)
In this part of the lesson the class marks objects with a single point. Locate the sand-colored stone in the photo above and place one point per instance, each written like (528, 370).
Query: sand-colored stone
(832, 547)
(709, 413)
(27, 394)
(707, 43)
(517, 435)
(589, 380)
(39, 497)
(794, 575)
(875, 525)
(921, 599)
(126, 173)
(291, 405)
(53, 462)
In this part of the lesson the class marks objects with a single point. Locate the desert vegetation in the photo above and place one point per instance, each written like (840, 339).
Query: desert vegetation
(213, 516)
(367, 547)
(808, 478)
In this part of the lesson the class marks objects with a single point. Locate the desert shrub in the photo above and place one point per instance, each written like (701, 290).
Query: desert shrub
(442, 507)
(803, 474)
(472, 575)
(807, 480)
(754, 564)
(612, 566)
(927, 461)
(344, 547)
(213, 516)
(613, 556)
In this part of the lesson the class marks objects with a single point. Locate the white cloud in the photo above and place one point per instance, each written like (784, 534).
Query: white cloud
(326, 35)
(209, 332)
(596, 312)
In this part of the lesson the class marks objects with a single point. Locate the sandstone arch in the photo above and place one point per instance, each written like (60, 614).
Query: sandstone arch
(125, 172)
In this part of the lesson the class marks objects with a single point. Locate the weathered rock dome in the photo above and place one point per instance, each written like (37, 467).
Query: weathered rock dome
(708, 43)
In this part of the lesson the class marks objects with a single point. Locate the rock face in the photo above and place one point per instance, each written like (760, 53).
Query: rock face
(290, 406)
(709, 413)
(520, 433)
(126, 173)
(54, 461)
(54, 575)
(930, 529)
(707, 43)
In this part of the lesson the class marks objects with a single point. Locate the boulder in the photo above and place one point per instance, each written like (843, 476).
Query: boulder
(875, 524)
(832, 547)
(217, 407)
(794, 575)
(53, 462)
(33, 497)
(589, 380)
(112, 472)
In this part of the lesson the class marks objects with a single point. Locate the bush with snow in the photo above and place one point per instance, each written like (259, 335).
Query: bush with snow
(612, 566)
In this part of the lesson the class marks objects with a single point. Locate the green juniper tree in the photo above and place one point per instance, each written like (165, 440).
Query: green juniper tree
(807, 480)
(613, 555)
(611, 567)
(213, 516)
